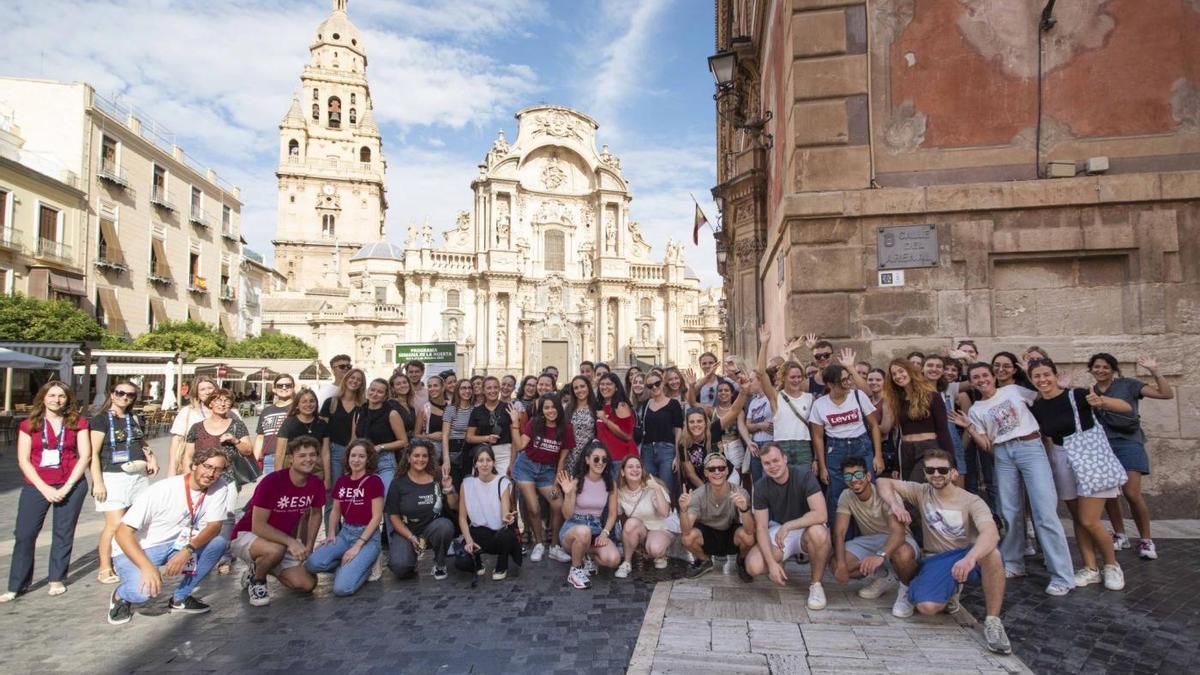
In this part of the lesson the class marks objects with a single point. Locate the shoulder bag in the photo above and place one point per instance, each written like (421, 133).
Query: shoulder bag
(1091, 457)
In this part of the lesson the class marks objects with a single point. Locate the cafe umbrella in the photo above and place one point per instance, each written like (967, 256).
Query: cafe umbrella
(262, 376)
(220, 372)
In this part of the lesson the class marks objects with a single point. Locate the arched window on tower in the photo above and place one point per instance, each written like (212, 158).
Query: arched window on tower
(452, 299)
(352, 98)
(293, 148)
(335, 112)
(316, 112)
(328, 225)
(555, 250)
(364, 155)
(316, 95)
(353, 116)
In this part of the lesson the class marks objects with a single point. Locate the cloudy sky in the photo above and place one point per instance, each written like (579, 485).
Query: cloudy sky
(445, 75)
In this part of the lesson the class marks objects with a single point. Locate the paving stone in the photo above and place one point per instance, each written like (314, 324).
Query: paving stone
(775, 636)
(717, 663)
(846, 616)
(730, 636)
(832, 641)
(788, 664)
(745, 594)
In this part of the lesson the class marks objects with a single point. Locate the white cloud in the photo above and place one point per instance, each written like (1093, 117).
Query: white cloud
(625, 30)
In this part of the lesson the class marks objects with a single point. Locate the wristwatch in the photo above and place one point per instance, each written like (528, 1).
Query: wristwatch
(189, 548)
(881, 553)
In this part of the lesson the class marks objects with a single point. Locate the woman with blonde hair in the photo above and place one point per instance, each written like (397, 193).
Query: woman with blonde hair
(338, 412)
(643, 502)
(913, 404)
(200, 388)
(695, 443)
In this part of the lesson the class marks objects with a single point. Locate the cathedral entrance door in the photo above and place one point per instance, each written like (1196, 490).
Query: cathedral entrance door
(554, 353)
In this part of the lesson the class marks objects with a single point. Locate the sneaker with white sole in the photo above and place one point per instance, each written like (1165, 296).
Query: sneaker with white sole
(578, 578)
(816, 596)
(1058, 590)
(119, 611)
(1114, 577)
(376, 569)
(188, 605)
(622, 570)
(439, 573)
(995, 635)
(499, 575)
(258, 594)
(1086, 576)
(558, 554)
(954, 604)
(730, 567)
(660, 563)
(1120, 541)
(878, 586)
(538, 552)
(1146, 550)
(246, 578)
(1013, 574)
(902, 608)
(589, 566)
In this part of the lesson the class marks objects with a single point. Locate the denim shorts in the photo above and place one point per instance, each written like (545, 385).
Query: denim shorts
(526, 470)
(1131, 454)
(591, 521)
(934, 582)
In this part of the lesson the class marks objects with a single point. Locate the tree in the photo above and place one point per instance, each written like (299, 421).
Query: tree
(197, 339)
(25, 318)
(272, 346)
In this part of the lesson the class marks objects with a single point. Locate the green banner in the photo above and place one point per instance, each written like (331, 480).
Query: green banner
(437, 356)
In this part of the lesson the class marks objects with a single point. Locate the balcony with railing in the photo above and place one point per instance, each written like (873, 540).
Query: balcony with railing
(646, 272)
(160, 198)
(114, 173)
(53, 250)
(197, 216)
(198, 285)
(452, 262)
(103, 262)
(10, 239)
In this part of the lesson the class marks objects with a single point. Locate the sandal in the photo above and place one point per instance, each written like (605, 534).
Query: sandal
(225, 567)
(57, 588)
(109, 578)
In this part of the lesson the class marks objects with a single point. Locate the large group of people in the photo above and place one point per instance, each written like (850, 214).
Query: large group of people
(917, 476)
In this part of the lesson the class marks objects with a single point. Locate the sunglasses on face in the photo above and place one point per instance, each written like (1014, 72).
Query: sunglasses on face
(822, 356)
(342, 366)
(940, 470)
(715, 468)
(125, 394)
(599, 460)
(284, 386)
(857, 475)
(654, 385)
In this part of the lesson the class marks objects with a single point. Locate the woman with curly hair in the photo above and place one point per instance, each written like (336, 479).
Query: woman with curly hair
(580, 410)
(590, 510)
(914, 406)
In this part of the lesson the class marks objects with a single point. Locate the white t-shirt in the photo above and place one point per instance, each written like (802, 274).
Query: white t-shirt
(161, 512)
(1005, 415)
(788, 427)
(483, 501)
(845, 420)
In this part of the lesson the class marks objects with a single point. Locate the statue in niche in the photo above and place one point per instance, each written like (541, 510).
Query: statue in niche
(585, 264)
(502, 312)
(452, 329)
(426, 235)
(502, 231)
(610, 233)
(645, 333)
(501, 343)
(555, 297)
(364, 349)
(553, 175)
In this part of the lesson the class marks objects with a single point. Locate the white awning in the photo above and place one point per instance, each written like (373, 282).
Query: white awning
(117, 369)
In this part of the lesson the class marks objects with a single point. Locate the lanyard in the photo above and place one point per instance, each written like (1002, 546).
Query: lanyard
(112, 435)
(193, 511)
(62, 436)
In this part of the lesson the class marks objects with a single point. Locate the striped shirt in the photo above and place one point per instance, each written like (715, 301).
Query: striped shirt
(458, 419)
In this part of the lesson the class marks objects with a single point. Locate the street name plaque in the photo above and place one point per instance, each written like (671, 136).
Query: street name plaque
(906, 246)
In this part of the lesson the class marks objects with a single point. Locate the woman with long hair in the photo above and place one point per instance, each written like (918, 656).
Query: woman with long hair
(614, 420)
(379, 421)
(302, 420)
(266, 450)
(674, 385)
(477, 389)
(338, 412)
(434, 408)
(121, 469)
(224, 430)
(402, 394)
(636, 386)
(645, 503)
(841, 421)
(416, 502)
(590, 513)
(53, 451)
(1128, 441)
(914, 406)
(492, 424)
(351, 545)
(580, 410)
(1061, 413)
(487, 514)
(455, 420)
(542, 446)
(729, 427)
(695, 443)
(527, 392)
(660, 423)
(629, 375)
(1007, 368)
(200, 388)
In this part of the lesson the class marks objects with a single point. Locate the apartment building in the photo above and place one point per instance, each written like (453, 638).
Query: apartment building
(159, 235)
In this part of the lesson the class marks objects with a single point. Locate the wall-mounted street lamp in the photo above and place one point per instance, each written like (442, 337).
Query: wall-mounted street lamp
(729, 99)
(722, 251)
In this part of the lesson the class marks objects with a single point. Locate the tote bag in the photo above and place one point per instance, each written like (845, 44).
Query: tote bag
(1096, 467)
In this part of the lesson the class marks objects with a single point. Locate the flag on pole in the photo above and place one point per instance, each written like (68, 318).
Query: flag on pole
(700, 219)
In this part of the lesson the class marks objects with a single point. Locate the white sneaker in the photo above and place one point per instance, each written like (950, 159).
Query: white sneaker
(557, 554)
(376, 569)
(538, 552)
(499, 576)
(1114, 577)
(259, 596)
(730, 565)
(579, 578)
(1120, 541)
(589, 566)
(1146, 550)
(902, 608)
(622, 570)
(878, 586)
(1030, 548)
(1086, 576)
(660, 563)
(816, 596)
(1058, 590)
(1013, 574)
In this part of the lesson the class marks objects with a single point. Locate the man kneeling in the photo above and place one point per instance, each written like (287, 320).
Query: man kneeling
(882, 542)
(176, 523)
(279, 530)
(790, 516)
(960, 540)
(715, 519)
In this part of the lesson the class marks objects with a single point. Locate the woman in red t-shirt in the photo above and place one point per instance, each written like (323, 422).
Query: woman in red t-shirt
(53, 451)
(614, 421)
(543, 445)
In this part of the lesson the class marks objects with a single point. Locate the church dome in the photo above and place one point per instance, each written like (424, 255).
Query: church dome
(338, 31)
(381, 249)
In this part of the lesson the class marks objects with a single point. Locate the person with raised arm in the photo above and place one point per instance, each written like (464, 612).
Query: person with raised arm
(542, 446)
(715, 519)
(590, 511)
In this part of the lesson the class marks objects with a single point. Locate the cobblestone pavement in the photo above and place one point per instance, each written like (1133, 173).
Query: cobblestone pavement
(717, 624)
(1150, 627)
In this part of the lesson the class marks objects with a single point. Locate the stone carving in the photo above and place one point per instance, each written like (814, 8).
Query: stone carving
(610, 160)
(906, 130)
(557, 123)
(893, 16)
(610, 233)
(612, 329)
(553, 175)
(499, 149)
(1003, 37)
(458, 238)
(411, 241)
(553, 211)
(452, 329)
(636, 230)
(501, 343)
(585, 263)
(554, 297)
(645, 333)
(426, 235)
(674, 251)
(503, 226)
(365, 344)
(747, 250)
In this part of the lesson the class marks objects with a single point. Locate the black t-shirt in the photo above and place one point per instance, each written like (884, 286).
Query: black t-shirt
(788, 501)
(1055, 418)
(658, 426)
(293, 428)
(374, 425)
(416, 504)
(487, 422)
(409, 417)
(338, 419)
(132, 443)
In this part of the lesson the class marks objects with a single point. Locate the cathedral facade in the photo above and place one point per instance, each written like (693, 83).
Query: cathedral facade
(546, 267)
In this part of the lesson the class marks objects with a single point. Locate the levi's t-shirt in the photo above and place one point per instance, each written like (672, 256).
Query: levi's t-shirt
(286, 501)
(1005, 415)
(354, 497)
(845, 419)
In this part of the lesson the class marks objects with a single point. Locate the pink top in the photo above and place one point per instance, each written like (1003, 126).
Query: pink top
(618, 449)
(56, 473)
(592, 499)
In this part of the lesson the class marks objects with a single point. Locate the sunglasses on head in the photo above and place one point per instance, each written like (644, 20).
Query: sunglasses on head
(857, 475)
(941, 470)
(716, 468)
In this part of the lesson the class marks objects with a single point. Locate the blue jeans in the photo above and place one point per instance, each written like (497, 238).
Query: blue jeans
(337, 453)
(131, 577)
(268, 462)
(387, 471)
(657, 458)
(1019, 460)
(837, 449)
(348, 578)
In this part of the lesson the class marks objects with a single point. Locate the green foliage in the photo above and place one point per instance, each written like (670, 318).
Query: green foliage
(272, 346)
(197, 339)
(24, 318)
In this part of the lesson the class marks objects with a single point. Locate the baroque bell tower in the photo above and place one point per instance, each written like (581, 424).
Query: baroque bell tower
(331, 164)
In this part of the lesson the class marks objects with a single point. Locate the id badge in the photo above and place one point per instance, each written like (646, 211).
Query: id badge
(120, 456)
(50, 458)
(181, 541)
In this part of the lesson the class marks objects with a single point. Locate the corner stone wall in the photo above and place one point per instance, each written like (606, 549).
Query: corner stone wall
(1076, 266)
